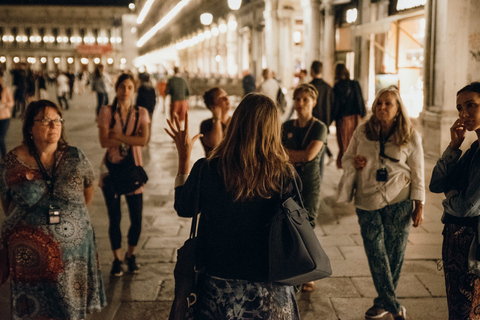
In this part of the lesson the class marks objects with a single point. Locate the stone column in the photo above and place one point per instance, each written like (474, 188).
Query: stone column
(285, 46)
(450, 27)
(257, 51)
(312, 24)
(328, 56)
(272, 32)
(232, 53)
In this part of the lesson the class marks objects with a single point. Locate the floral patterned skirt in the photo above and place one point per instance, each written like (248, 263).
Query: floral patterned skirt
(463, 288)
(228, 299)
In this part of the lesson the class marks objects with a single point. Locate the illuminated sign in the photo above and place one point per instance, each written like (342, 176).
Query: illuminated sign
(408, 4)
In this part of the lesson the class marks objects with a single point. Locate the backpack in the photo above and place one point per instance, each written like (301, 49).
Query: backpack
(281, 101)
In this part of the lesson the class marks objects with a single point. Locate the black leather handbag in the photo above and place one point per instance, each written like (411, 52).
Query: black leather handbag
(295, 254)
(125, 176)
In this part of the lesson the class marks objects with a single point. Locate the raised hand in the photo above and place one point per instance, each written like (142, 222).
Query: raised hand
(183, 142)
(457, 134)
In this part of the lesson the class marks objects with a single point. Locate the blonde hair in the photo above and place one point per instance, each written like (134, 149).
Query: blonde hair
(252, 159)
(308, 89)
(403, 126)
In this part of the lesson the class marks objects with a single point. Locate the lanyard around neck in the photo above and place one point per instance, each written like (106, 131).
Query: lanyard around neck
(50, 180)
(384, 140)
(124, 126)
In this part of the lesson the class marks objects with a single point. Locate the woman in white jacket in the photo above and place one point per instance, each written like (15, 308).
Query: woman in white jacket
(385, 157)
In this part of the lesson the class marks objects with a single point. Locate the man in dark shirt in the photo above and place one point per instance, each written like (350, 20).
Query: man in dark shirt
(248, 83)
(146, 96)
(323, 108)
(216, 100)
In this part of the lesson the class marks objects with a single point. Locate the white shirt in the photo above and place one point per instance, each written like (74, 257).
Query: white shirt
(405, 178)
(62, 85)
(269, 88)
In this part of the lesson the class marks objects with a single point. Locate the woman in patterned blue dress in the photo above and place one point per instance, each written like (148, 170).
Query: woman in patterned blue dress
(54, 267)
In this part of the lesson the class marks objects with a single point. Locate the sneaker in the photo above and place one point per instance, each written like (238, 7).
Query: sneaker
(131, 263)
(377, 313)
(402, 315)
(117, 270)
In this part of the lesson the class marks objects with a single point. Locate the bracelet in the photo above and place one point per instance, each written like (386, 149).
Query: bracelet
(215, 119)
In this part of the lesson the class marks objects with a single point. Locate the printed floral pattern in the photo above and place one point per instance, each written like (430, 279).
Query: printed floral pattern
(241, 299)
(54, 269)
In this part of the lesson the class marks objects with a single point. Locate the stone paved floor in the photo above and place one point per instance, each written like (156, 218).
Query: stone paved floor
(148, 295)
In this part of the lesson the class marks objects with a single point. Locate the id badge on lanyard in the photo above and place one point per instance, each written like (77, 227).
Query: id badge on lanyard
(54, 213)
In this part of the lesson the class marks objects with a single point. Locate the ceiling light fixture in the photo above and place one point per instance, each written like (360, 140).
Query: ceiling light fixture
(144, 11)
(162, 23)
(234, 4)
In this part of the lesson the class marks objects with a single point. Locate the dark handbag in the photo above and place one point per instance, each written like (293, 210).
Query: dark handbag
(185, 273)
(125, 176)
(4, 266)
(295, 254)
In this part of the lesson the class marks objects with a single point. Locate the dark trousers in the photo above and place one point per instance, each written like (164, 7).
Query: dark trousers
(4, 124)
(135, 207)
(20, 105)
(62, 100)
(102, 99)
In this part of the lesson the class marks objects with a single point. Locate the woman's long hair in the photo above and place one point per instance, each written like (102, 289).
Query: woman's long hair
(31, 112)
(403, 126)
(252, 159)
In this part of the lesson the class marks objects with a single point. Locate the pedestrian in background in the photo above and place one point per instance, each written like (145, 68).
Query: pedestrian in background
(240, 189)
(147, 98)
(385, 161)
(269, 86)
(348, 108)
(62, 90)
(100, 87)
(45, 187)
(248, 82)
(6, 105)
(213, 129)
(19, 77)
(323, 108)
(178, 90)
(458, 177)
(122, 128)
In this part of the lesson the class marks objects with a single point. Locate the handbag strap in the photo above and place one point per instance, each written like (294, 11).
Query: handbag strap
(297, 190)
(193, 228)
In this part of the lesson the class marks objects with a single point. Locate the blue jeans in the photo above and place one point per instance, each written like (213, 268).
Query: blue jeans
(385, 236)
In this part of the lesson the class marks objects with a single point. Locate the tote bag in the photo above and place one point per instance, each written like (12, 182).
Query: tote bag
(295, 254)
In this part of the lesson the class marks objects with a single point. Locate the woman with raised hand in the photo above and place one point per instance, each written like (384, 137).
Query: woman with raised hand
(458, 177)
(240, 190)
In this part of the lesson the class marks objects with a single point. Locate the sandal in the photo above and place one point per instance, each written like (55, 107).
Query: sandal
(308, 286)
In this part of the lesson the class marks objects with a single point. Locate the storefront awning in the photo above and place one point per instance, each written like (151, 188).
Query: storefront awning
(382, 25)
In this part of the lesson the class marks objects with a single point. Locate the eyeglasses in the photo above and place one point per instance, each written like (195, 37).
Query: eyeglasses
(48, 122)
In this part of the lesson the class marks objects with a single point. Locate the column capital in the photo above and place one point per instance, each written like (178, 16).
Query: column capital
(311, 3)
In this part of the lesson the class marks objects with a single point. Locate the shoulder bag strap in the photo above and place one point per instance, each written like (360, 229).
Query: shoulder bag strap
(297, 191)
(306, 134)
(193, 228)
